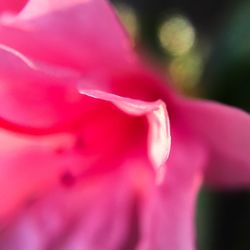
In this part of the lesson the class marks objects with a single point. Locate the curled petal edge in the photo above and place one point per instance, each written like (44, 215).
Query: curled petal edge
(159, 139)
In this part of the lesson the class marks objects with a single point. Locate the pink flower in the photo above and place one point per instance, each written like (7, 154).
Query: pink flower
(85, 137)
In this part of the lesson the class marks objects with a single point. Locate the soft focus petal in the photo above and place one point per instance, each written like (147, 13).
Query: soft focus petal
(126, 124)
(169, 210)
(11, 5)
(45, 100)
(141, 81)
(226, 131)
(51, 103)
(70, 33)
(41, 33)
(29, 167)
(94, 214)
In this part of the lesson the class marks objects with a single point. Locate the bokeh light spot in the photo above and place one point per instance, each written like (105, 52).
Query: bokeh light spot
(186, 70)
(177, 35)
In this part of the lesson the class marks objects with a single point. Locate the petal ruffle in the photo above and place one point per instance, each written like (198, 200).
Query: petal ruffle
(226, 132)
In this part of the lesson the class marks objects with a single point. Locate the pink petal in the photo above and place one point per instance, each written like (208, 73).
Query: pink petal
(168, 217)
(125, 121)
(35, 164)
(11, 5)
(226, 132)
(29, 167)
(159, 139)
(33, 98)
(141, 81)
(94, 214)
(108, 61)
(70, 33)
(123, 209)
(55, 103)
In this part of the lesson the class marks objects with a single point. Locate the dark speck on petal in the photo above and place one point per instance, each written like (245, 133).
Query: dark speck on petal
(67, 179)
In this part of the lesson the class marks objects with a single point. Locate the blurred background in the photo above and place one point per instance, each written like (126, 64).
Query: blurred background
(204, 46)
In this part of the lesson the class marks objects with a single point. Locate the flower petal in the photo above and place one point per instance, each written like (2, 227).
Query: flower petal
(94, 214)
(62, 33)
(226, 132)
(49, 108)
(12, 5)
(29, 167)
(159, 139)
(25, 109)
(37, 101)
(69, 33)
(168, 216)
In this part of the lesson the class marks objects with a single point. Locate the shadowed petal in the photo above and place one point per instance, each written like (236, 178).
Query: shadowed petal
(226, 131)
